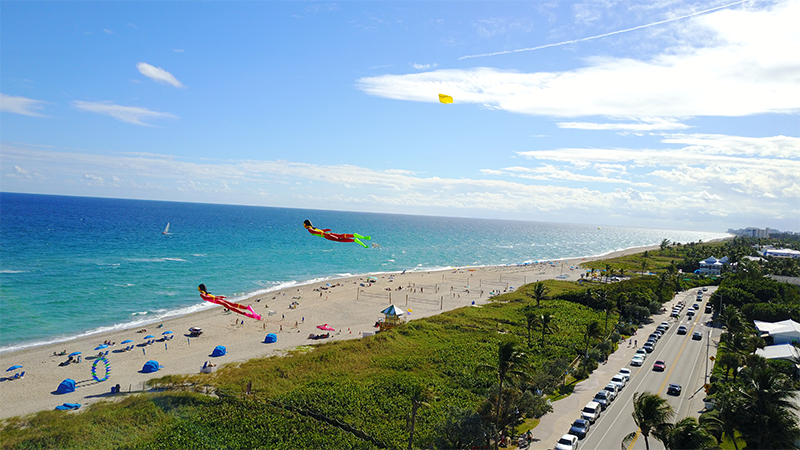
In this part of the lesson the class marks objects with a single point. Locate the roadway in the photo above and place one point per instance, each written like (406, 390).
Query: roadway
(686, 364)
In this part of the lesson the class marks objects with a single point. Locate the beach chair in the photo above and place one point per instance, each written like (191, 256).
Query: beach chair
(16, 375)
(22, 374)
(106, 354)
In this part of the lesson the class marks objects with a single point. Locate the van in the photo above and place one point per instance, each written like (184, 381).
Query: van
(591, 411)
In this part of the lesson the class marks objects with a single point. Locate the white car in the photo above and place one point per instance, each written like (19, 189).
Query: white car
(637, 360)
(612, 389)
(619, 380)
(567, 442)
(642, 352)
(625, 372)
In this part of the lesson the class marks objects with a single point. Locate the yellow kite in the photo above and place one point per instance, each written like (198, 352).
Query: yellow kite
(445, 98)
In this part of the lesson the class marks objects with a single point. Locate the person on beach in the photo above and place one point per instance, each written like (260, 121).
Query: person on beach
(336, 237)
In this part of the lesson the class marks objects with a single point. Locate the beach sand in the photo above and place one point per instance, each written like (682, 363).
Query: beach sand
(348, 307)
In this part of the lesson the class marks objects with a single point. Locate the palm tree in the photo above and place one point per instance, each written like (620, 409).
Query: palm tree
(539, 293)
(592, 332)
(545, 320)
(608, 271)
(726, 415)
(420, 396)
(531, 320)
(770, 420)
(650, 413)
(607, 304)
(687, 434)
(510, 365)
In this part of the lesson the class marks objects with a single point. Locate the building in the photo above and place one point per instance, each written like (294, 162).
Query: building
(783, 332)
(712, 265)
(781, 253)
(786, 352)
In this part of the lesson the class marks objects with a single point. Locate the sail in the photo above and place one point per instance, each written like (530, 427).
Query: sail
(166, 230)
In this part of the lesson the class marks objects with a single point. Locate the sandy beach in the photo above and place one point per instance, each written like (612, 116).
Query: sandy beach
(349, 305)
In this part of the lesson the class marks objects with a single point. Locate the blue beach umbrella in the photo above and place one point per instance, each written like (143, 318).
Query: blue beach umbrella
(126, 341)
(74, 354)
(149, 336)
(100, 347)
(167, 332)
(14, 367)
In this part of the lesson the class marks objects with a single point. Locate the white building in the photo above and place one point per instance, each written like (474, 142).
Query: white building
(783, 332)
(787, 352)
(781, 252)
(712, 265)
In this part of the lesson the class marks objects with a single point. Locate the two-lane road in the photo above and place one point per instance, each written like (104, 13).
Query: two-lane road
(685, 360)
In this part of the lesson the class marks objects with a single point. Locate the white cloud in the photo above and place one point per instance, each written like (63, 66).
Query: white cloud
(158, 75)
(643, 125)
(128, 114)
(751, 66)
(423, 66)
(107, 31)
(21, 105)
(178, 50)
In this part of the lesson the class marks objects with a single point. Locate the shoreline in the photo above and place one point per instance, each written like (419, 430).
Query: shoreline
(244, 298)
(351, 305)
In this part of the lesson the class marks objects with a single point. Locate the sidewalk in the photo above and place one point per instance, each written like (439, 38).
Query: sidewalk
(556, 424)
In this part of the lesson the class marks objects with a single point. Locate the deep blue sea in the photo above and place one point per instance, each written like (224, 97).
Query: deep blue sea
(75, 265)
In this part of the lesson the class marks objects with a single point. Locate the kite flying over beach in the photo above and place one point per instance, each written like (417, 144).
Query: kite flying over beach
(336, 237)
(246, 311)
(445, 98)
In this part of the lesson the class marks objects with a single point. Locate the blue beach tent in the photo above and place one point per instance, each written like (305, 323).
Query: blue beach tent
(219, 351)
(66, 386)
(271, 337)
(151, 366)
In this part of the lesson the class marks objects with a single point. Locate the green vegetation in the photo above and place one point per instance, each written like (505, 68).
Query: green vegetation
(451, 380)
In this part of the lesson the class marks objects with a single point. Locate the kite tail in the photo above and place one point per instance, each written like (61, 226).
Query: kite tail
(362, 244)
(362, 237)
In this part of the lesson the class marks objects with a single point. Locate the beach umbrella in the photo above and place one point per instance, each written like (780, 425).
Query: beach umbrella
(126, 341)
(14, 367)
(166, 332)
(100, 347)
(149, 336)
(74, 354)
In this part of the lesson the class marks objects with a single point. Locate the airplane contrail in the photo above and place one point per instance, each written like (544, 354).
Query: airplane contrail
(573, 41)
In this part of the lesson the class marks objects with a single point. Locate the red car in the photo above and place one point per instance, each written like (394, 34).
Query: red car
(659, 365)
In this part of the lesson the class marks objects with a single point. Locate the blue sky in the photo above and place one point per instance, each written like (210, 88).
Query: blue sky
(657, 113)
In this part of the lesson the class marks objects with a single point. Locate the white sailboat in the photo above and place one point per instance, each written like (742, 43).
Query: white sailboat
(166, 230)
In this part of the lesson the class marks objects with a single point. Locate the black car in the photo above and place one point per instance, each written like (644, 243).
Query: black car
(648, 347)
(682, 329)
(579, 428)
(697, 336)
(674, 389)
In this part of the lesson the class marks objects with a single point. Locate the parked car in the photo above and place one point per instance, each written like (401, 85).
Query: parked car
(709, 309)
(591, 411)
(665, 325)
(642, 352)
(603, 398)
(674, 389)
(682, 329)
(659, 365)
(705, 289)
(567, 442)
(625, 372)
(637, 360)
(649, 347)
(619, 380)
(697, 336)
(580, 427)
(612, 389)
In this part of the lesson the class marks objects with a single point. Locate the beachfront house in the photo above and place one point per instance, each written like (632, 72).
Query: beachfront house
(712, 265)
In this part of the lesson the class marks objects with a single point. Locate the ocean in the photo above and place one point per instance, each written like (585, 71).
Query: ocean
(72, 266)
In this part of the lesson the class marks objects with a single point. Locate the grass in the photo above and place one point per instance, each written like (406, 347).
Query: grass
(364, 383)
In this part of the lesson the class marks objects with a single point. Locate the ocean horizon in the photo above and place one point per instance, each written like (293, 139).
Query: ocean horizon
(75, 266)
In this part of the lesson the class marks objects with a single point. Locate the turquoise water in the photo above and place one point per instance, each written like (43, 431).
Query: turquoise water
(74, 265)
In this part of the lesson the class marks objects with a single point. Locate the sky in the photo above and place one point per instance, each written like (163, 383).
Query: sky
(656, 113)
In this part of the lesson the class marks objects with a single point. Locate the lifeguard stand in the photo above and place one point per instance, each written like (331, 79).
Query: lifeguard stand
(393, 316)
